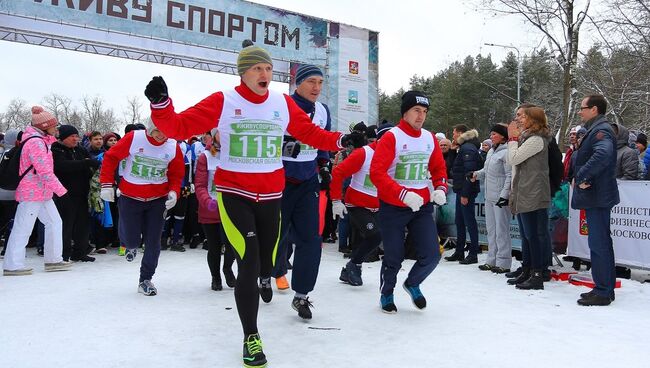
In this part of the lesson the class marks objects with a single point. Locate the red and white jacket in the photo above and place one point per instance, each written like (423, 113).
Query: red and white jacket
(352, 165)
(388, 190)
(141, 192)
(205, 115)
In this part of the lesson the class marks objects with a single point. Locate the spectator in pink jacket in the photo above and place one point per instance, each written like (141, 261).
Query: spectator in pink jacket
(206, 195)
(34, 197)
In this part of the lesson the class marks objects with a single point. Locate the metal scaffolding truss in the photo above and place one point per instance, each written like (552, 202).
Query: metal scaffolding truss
(124, 52)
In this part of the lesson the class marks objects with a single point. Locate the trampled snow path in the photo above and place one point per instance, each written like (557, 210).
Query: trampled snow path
(92, 316)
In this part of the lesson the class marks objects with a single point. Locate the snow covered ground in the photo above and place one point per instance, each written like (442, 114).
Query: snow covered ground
(92, 316)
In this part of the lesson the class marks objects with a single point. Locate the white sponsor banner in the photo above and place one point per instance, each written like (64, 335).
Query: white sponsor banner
(352, 76)
(220, 25)
(630, 227)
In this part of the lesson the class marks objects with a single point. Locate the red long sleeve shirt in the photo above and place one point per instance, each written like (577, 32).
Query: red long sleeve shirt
(205, 115)
(388, 190)
(345, 169)
(120, 151)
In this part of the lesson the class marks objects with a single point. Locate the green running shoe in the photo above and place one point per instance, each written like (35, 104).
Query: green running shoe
(253, 355)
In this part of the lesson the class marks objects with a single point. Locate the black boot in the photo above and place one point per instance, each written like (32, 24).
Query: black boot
(535, 282)
(523, 276)
(470, 259)
(216, 284)
(515, 273)
(457, 256)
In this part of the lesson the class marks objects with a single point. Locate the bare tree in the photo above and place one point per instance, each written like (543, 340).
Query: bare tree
(559, 22)
(62, 108)
(133, 111)
(95, 116)
(17, 116)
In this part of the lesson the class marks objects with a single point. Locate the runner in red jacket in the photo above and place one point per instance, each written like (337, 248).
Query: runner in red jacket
(361, 202)
(249, 180)
(410, 173)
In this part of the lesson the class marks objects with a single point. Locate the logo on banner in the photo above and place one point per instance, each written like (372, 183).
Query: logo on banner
(353, 67)
(353, 97)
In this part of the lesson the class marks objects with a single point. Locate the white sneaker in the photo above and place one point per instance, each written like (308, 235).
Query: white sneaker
(146, 287)
(18, 272)
(58, 266)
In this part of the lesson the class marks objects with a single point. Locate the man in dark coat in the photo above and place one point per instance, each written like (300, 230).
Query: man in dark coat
(73, 166)
(467, 161)
(595, 190)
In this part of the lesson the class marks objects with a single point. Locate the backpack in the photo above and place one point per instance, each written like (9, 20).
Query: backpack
(10, 165)
(555, 166)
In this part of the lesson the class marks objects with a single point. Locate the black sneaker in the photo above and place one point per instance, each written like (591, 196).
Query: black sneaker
(486, 267)
(216, 284)
(266, 292)
(515, 273)
(178, 247)
(500, 270)
(194, 243)
(594, 300)
(253, 355)
(592, 292)
(387, 304)
(455, 257)
(471, 259)
(302, 307)
(83, 259)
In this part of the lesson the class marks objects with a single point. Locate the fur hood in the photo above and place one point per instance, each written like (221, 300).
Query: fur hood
(468, 136)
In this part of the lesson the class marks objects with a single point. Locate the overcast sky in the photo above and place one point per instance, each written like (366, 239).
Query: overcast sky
(416, 37)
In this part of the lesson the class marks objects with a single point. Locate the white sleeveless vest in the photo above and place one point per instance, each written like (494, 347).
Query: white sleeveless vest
(307, 152)
(147, 164)
(251, 134)
(410, 167)
(361, 179)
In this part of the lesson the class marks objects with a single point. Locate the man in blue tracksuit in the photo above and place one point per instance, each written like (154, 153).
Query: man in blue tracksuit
(300, 199)
(595, 190)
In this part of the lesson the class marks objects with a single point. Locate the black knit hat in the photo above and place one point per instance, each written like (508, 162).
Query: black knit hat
(67, 130)
(642, 139)
(501, 129)
(413, 98)
(383, 128)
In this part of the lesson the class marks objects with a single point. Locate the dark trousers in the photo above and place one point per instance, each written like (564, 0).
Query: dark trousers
(603, 267)
(422, 230)
(533, 227)
(143, 221)
(253, 230)
(7, 214)
(76, 225)
(366, 225)
(466, 222)
(300, 214)
(216, 239)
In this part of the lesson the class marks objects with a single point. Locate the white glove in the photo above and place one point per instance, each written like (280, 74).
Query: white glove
(118, 192)
(338, 209)
(171, 200)
(413, 200)
(107, 194)
(192, 188)
(439, 197)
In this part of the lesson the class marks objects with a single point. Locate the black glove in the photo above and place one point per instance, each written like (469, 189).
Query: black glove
(290, 147)
(156, 91)
(502, 202)
(325, 177)
(354, 139)
(92, 163)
